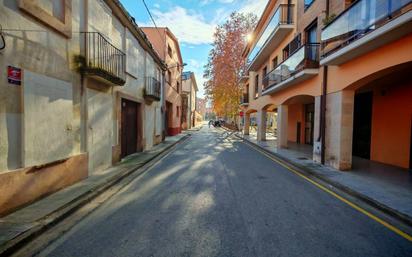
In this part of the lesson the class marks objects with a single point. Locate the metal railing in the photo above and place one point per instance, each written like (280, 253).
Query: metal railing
(360, 18)
(307, 56)
(104, 59)
(283, 15)
(152, 88)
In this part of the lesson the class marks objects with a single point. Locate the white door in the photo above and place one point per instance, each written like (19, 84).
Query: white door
(100, 129)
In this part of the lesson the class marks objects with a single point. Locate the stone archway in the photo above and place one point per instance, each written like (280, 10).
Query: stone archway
(247, 122)
(296, 120)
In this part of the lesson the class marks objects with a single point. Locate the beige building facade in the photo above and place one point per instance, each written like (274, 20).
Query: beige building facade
(89, 84)
(328, 71)
(189, 92)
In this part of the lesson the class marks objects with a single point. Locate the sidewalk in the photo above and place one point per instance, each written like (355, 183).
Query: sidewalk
(383, 186)
(29, 221)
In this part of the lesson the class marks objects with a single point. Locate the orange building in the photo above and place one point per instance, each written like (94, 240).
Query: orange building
(335, 74)
(167, 46)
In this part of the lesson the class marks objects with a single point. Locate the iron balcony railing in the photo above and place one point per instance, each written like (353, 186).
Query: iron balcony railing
(283, 15)
(244, 99)
(103, 59)
(362, 17)
(305, 57)
(152, 89)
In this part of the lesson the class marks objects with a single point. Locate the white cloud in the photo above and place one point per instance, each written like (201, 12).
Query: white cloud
(194, 63)
(206, 2)
(254, 6)
(188, 26)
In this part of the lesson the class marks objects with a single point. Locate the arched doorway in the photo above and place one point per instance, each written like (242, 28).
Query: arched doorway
(250, 124)
(382, 117)
(298, 120)
(267, 127)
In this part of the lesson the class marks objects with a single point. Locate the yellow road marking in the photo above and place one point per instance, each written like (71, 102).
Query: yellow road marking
(353, 205)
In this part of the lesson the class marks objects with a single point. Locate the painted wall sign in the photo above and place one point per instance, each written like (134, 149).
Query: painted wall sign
(14, 75)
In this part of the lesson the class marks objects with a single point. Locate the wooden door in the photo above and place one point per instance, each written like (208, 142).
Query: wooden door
(129, 129)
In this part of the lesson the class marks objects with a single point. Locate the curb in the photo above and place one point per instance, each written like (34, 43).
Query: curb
(66, 210)
(402, 217)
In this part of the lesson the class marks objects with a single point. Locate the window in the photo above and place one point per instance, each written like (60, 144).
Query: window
(311, 38)
(292, 47)
(247, 93)
(274, 62)
(265, 80)
(177, 111)
(54, 14)
(169, 77)
(178, 86)
(169, 51)
(256, 86)
(265, 72)
(308, 3)
(311, 33)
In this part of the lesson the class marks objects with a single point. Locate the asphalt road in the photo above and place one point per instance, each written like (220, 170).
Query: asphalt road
(218, 197)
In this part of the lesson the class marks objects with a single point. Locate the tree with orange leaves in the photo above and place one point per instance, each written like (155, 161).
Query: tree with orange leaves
(225, 64)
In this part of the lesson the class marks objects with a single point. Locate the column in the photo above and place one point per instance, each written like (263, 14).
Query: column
(317, 141)
(339, 129)
(282, 126)
(246, 124)
(252, 86)
(261, 130)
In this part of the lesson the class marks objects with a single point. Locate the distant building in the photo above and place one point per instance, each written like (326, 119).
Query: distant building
(189, 90)
(167, 46)
(201, 106)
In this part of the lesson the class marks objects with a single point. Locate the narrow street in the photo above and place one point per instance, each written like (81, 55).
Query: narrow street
(216, 196)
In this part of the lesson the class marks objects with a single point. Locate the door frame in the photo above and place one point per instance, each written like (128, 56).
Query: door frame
(140, 112)
(356, 128)
(410, 149)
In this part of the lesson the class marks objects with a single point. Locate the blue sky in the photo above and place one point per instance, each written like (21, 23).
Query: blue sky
(193, 23)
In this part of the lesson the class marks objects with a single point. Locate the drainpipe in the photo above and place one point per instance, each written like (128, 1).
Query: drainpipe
(323, 113)
(327, 8)
(83, 84)
(322, 132)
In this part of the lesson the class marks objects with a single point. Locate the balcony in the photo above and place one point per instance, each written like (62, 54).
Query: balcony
(102, 60)
(364, 26)
(279, 26)
(301, 65)
(152, 89)
(244, 99)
